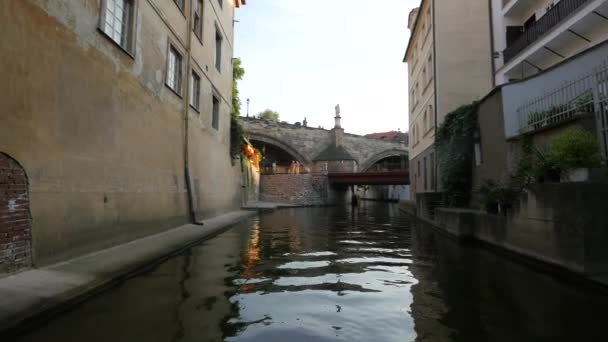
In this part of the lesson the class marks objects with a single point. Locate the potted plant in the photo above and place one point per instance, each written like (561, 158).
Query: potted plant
(574, 152)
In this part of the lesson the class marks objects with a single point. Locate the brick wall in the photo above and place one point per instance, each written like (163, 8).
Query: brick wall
(15, 222)
(303, 189)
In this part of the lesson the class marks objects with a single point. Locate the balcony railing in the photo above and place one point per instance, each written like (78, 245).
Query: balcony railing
(554, 16)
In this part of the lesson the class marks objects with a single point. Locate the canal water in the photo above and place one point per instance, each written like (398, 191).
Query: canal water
(335, 274)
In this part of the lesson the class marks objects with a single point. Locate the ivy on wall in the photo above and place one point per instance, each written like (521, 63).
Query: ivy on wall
(236, 129)
(454, 143)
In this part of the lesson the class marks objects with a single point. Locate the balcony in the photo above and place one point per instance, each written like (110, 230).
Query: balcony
(552, 18)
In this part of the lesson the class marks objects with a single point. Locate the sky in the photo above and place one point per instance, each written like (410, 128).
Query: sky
(302, 57)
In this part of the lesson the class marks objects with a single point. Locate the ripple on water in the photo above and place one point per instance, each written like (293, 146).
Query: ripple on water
(304, 264)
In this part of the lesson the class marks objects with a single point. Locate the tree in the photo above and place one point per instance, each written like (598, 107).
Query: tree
(237, 74)
(236, 130)
(269, 114)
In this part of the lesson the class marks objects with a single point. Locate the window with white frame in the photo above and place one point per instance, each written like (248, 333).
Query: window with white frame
(195, 90)
(118, 21)
(174, 70)
(197, 23)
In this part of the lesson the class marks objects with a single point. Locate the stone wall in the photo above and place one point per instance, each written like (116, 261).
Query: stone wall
(303, 189)
(15, 220)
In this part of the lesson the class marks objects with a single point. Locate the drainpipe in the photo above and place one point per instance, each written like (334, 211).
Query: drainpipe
(191, 211)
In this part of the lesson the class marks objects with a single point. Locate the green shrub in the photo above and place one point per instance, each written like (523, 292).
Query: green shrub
(494, 193)
(574, 148)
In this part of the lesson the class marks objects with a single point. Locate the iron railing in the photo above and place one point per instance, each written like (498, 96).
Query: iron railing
(587, 94)
(554, 16)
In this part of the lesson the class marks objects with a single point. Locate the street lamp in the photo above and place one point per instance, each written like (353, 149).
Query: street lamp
(247, 107)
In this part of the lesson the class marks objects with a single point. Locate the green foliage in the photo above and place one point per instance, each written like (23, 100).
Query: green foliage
(495, 193)
(574, 148)
(269, 114)
(454, 145)
(236, 130)
(237, 74)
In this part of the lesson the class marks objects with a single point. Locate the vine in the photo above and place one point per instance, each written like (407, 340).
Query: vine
(455, 144)
(236, 129)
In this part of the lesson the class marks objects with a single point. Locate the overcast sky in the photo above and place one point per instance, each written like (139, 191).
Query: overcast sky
(301, 58)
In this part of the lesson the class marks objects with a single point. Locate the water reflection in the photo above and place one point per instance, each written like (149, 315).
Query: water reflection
(336, 274)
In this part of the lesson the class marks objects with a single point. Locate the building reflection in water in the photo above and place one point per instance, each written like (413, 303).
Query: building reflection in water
(326, 274)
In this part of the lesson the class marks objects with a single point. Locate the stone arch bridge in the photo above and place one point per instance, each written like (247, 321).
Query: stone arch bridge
(310, 146)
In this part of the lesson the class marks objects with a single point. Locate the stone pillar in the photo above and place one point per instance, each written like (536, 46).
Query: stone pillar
(338, 136)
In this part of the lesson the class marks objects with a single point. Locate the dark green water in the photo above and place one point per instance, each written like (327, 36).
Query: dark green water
(336, 274)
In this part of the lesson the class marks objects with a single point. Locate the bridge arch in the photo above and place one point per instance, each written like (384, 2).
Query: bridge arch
(280, 144)
(367, 164)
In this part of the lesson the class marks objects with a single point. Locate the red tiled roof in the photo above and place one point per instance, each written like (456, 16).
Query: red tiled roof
(384, 136)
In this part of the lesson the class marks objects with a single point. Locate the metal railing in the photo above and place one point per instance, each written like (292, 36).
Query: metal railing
(554, 16)
(586, 95)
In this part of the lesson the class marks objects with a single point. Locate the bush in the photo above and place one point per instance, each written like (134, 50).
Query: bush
(574, 148)
(495, 194)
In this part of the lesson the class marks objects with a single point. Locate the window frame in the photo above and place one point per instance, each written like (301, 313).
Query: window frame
(182, 8)
(129, 45)
(173, 47)
(195, 98)
(218, 48)
(198, 32)
(215, 111)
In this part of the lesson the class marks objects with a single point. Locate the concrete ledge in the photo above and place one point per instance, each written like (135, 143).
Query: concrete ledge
(492, 232)
(408, 206)
(37, 294)
(458, 222)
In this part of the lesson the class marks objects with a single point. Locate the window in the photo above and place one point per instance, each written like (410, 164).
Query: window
(195, 91)
(424, 76)
(215, 120)
(412, 98)
(221, 2)
(419, 168)
(425, 174)
(433, 185)
(431, 117)
(180, 4)
(174, 70)
(218, 49)
(426, 121)
(430, 67)
(197, 24)
(118, 22)
(417, 91)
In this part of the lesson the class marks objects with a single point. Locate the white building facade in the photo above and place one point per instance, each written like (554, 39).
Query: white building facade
(532, 36)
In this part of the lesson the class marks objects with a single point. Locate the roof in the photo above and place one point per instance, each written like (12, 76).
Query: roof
(389, 136)
(334, 153)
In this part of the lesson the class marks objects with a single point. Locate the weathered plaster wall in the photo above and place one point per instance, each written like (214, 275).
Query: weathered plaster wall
(306, 142)
(98, 132)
